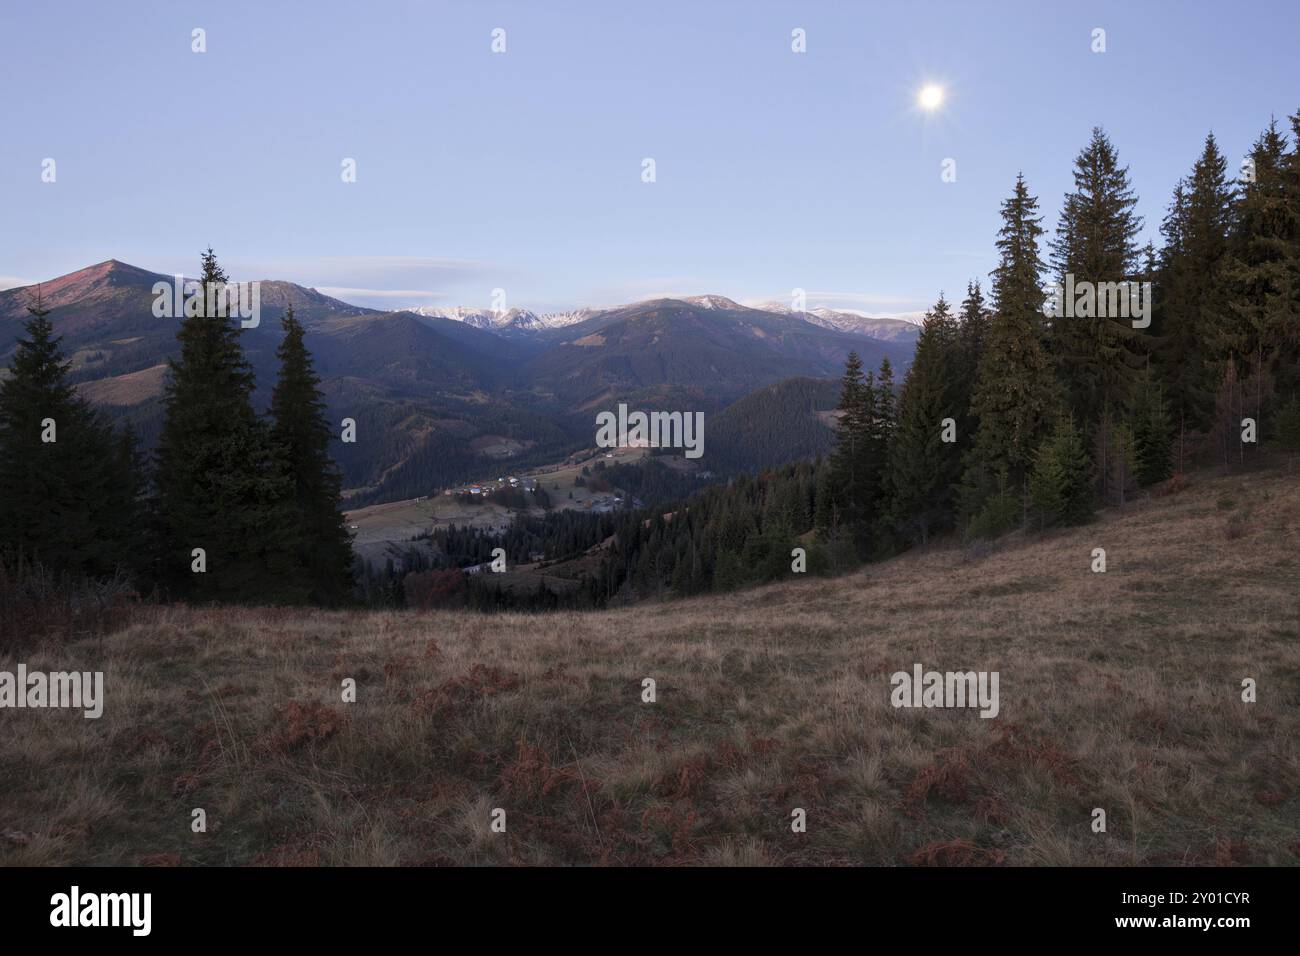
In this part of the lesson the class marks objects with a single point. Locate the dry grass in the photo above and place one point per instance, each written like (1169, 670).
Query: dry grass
(1118, 690)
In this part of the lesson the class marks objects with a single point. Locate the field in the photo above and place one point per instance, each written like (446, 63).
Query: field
(377, 527)
(1119, 690)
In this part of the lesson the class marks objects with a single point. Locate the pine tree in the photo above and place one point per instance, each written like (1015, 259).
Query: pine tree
(847, 496)
(886, 412)
(70, 502)
(1061, 484)
(1153, 432)
(222, 484)
(923, 468)
(1258, 327)
(972, 338)
(1015, 390)
(1097, 355)
(300, 429)
(1188, 286)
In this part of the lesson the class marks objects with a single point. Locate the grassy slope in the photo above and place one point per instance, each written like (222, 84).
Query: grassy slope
(1118, 690)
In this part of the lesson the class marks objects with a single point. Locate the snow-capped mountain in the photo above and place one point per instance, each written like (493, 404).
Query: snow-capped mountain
(889, 329)
(516, 320)
(712, 302)
(525, 320)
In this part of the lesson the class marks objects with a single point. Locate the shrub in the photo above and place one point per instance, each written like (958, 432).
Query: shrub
(34, 602)
(430, 589)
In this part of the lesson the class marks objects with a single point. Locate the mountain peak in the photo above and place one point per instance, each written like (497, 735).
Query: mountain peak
(712, 302)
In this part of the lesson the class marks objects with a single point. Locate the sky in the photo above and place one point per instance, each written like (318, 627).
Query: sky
(523, 170)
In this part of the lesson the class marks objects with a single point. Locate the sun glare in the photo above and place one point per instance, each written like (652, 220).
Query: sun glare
(931, 97)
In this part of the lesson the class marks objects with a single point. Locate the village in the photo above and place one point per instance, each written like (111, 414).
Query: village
(387, 530)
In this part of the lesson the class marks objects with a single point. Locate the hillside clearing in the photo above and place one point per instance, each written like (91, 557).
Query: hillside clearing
(1119, 690)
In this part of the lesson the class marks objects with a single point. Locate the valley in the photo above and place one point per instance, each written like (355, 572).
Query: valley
(386, 530)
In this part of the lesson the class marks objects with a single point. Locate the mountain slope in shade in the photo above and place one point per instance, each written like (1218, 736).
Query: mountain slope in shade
(729, 349)
(787, 421)
(408, 352)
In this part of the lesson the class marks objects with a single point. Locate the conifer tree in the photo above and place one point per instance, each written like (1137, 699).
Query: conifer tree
(972, 336)
(1015, 390)
(923, 468)
(1153, 432)
(68, 489)
(1258, 328)
(222, 484)
(847, 471)
(1061, 483)
(300, 429)
(1188, 288)
(1097, 355)
(886, 412)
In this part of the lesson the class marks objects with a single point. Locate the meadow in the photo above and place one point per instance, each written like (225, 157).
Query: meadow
(1119, 690)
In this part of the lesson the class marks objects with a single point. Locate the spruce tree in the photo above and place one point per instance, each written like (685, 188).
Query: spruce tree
(1097, 356)
(1188, 288)
(303, 435)
(886, 412)
(68, 485)
(1015, 390)
(222, 484)
(972, 337)
(923, 468)
(1061, 483)
(846, 497)
(1257, 327)
(1153, 432)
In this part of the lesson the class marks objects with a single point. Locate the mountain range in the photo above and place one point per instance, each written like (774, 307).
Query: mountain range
(513, 321)
(439, 394)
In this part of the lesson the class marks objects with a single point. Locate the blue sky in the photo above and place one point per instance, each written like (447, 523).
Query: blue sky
(522, 170)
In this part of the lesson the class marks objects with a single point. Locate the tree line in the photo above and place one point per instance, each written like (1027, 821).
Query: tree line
(1013, 414)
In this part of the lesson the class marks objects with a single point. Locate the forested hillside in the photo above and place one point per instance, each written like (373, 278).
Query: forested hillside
(1028, 410)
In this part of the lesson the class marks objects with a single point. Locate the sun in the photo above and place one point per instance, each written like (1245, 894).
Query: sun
(930, 97)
